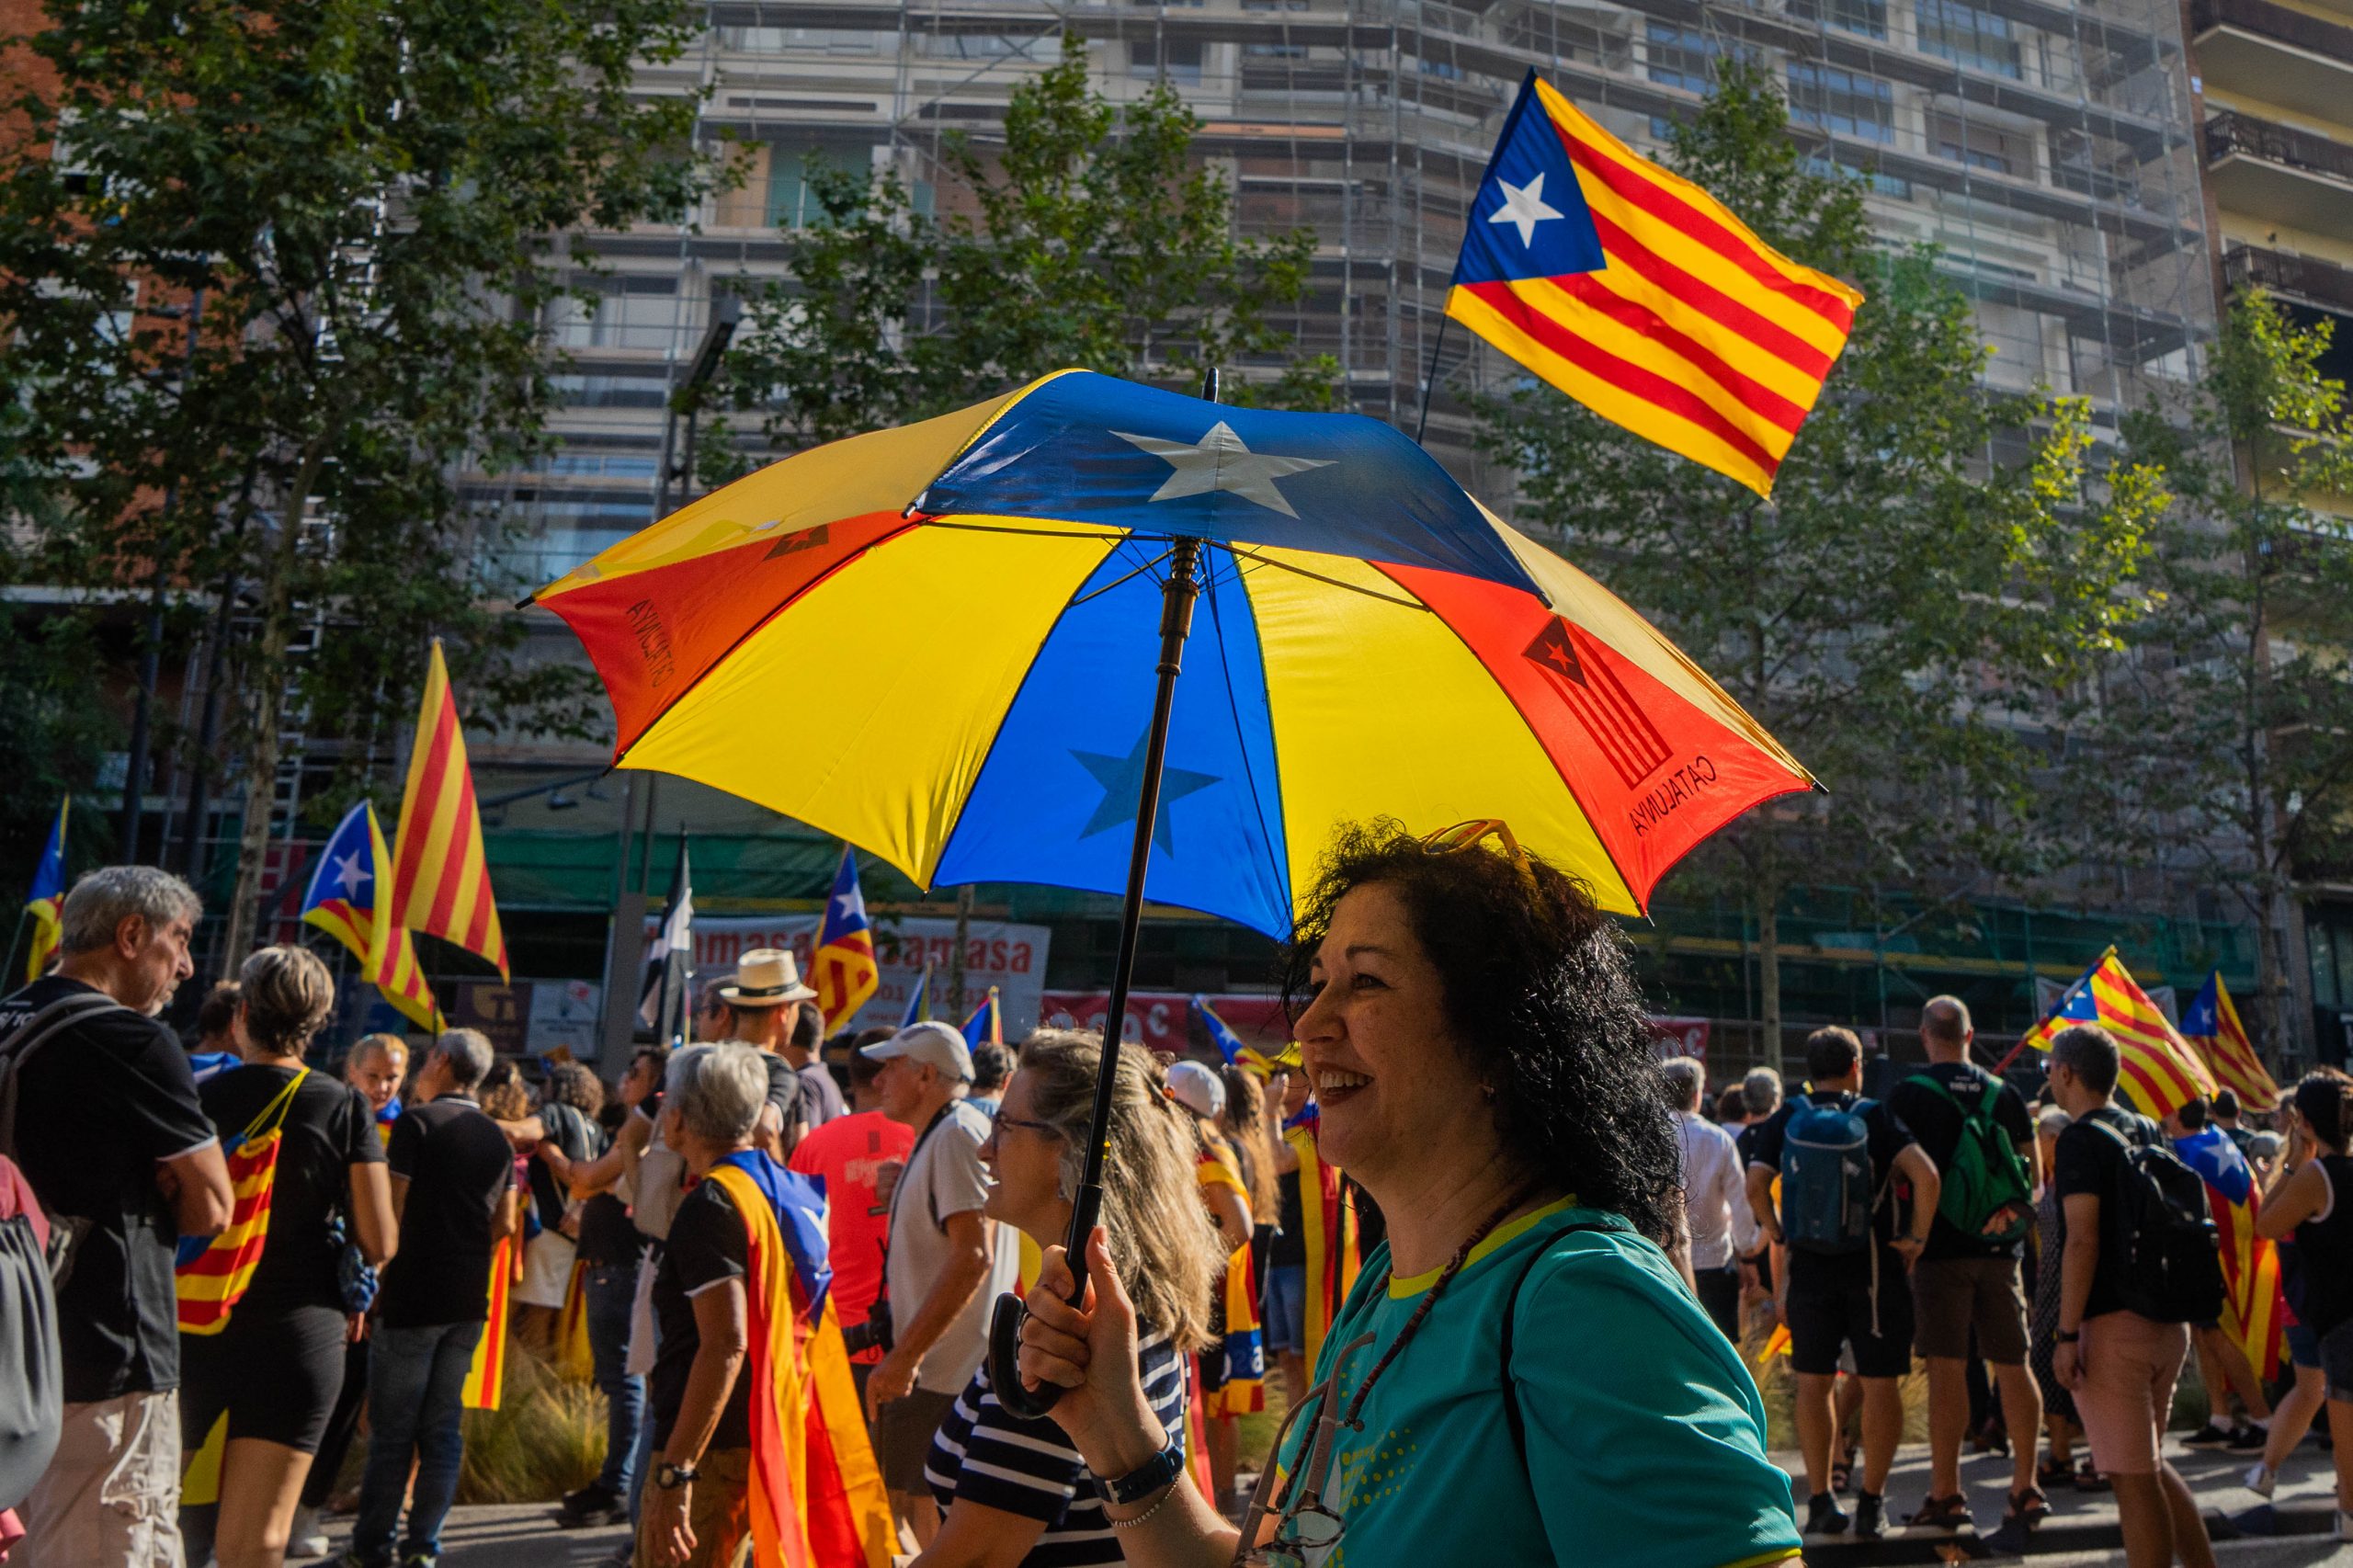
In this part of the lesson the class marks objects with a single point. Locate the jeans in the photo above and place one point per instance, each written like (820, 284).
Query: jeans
(416, 1377)
(609, 1289)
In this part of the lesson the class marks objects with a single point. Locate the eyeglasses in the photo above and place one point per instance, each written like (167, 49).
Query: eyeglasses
(1306, 1528)
(1042, 1128)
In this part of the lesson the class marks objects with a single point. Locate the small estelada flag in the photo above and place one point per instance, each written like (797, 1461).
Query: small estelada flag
(212, 1272)
(2212, 1024)
(2155, 1067)
(987, 1022)
(1641, 296)
(46, 902)
(843, 966)
(348, 899)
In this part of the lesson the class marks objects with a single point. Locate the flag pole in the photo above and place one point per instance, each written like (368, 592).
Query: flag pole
(1429, 377)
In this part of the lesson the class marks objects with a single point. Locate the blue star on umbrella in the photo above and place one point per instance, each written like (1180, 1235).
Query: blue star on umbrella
(1122, 778)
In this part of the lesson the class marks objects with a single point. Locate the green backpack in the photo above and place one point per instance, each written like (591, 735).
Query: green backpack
(1988, 1193)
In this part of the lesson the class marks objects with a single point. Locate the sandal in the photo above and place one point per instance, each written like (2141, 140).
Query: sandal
(2089, 1479)
(2054, 1470)
(1943, 1514)
(2029, 1505)
(1842, 1470)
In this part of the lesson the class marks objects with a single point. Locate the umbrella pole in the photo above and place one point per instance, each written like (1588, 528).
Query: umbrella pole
(1004, 1328)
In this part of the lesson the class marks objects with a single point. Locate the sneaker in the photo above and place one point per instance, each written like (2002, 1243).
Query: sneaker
(590, 1506)
(2260, 1479)
(306, 1539)
(1824, 1517)
(2208, 1437)
(1870, 1517)
(420, 1560)
(2250, 1440)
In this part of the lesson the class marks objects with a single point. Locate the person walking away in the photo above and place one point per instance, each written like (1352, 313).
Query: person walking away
(991, 1065)
(1717, 1219)
(216, 1034)
(762, 1008)
(2134, 1219)
(2226, 1118)
(1234, 1363)
(2060, 1426)
(98, 1108)
(2223, 1369)
(2313, 1202)
(262, 1366)
(1975, 1127)
(847, 1156)
(2307, 1396)
(1016, 1491)
(821, 1098)
(1839, 1156)
(452, 1175)
(947, 1262)
(1732, 1110)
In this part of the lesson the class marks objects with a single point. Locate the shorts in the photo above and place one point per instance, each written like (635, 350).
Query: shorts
(2337, 1361)
(1952, 1295)
(110, 1497)
(1285, 1318)
(1823, 1320)
(902, 1432)
(547, 1270)
(2303, 1347)
(2130, 1365)
(274, 1376)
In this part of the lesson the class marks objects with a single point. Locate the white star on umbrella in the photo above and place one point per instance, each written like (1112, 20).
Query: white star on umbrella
(350, 874)
(1524, 207)
(1218, 461)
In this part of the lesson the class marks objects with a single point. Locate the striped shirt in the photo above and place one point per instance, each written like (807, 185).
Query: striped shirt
(1029, 1467)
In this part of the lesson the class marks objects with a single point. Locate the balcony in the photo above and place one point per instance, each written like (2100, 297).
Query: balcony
(2280, 174)
(2300, 280)
(2280, 56)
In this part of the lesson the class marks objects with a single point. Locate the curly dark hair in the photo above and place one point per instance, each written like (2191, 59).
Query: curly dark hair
(1542, 997)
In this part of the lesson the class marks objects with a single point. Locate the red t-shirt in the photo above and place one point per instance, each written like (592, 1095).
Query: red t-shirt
(846, 1153)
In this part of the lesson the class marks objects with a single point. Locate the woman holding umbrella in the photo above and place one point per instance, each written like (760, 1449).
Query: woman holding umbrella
(1478, 1047)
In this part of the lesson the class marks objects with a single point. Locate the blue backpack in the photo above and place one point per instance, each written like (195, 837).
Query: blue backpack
(1827, 1195)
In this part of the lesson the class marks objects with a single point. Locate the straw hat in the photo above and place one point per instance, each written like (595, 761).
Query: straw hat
(767, 977)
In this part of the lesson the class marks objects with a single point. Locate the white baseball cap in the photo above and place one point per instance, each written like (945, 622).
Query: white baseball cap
(1197, 1089)
(940, 1045)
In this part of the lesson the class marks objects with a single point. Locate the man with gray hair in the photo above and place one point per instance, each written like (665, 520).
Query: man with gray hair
(1717, 1218)
(106, 1124)
(452, 1171)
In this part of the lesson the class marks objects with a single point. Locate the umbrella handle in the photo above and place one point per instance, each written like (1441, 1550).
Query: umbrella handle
(1005, 1325)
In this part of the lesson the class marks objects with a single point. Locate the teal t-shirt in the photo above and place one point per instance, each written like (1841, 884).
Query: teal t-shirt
(1645, 1434)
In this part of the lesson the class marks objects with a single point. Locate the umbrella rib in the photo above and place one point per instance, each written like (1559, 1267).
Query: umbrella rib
(1114, 534)
(1141, 570)
(1331, 582)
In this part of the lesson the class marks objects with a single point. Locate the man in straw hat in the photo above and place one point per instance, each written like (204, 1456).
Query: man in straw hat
(763, 1008)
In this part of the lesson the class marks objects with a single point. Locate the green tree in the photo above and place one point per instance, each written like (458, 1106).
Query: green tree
(1936, 561)
(2226, 746)
(281, 287)
(1091, 237)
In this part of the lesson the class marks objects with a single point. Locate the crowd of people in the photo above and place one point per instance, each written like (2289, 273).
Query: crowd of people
(1466, 1211)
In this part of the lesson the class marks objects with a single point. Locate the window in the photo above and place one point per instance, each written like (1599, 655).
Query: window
(1841, 102)
(611, 391)
(1868, 18)
(1683, 57)
(1980, 145)
(791, 204)
(777, 41)
(1967, 36)
(627, 312)
(1179, 60)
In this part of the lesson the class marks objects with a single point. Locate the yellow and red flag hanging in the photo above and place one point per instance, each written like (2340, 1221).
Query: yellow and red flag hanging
(211, 1273)
(843, 965)
(1641, 296)
(1330, 1223)
(2212, 1024)
(2158, 1069)
(441, 872)
(346, 900)
(485, 1383)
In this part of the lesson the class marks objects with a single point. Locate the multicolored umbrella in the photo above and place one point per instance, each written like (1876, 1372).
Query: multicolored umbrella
(940, 642)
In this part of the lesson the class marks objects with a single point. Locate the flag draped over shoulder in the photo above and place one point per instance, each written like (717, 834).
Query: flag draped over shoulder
(212, 1273)
(816, 1492)
(1331, 1227)
(843, 966)
(2212, 1024)
(46, 902)
(345, 900)
(485, 1383)
(1641, 296)
(2254, 1308)
(441, 870)
(2158, 1069)
(1242, 1385)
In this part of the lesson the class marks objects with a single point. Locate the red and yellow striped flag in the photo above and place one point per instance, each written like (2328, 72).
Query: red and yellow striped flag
(485, 1383)
(212, 1273)
(2212, 1024)
(1641, 296)
(1330, 1224)
(2159, 1070)
(2253, 1305)
(441, 873)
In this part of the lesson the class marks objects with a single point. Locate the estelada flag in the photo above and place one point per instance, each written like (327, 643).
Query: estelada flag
(987, 1022)
(2212, 1024)
(343, 901)
(485, 1383)
(816, 1492)
(441, 871)
(46, 902)
(1330, 1225)
(844, 967)
(212, 1273)
(2157, 1068)
(2254, 1311)
(1641, 296)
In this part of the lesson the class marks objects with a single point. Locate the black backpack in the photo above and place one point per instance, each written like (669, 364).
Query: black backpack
(2168, 1261)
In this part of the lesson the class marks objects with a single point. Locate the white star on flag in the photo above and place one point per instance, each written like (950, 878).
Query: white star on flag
(1218, 461)
(1524, 207)
(852, 904)
(350, 874)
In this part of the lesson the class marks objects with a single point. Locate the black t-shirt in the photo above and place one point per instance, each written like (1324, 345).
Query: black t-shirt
(1885, 1137)
(579, 1139)
(2087, 1160)
(97, 1107)
(1938, 1124)
(329, 1128)
(607, 1238)
(1291, 1240)
(707, 1246)
(458, 1164)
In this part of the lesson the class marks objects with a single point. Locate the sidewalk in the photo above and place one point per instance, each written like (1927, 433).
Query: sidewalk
(2302, 1508)
(518, 1535)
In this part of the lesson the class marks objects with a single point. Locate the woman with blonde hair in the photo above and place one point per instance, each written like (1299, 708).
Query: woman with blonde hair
(263, 1360)
(1013, 1491)
(1243, 1123)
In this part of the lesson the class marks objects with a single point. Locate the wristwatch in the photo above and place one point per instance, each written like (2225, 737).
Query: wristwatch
(2067, 1336)
(670, 1477)
(1150, 1477)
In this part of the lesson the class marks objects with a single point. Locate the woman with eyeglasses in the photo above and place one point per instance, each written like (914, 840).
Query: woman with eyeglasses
(1521, 1374)
(1016, 1492)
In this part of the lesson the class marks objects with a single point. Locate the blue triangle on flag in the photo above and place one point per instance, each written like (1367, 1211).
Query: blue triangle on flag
(1529, 218)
